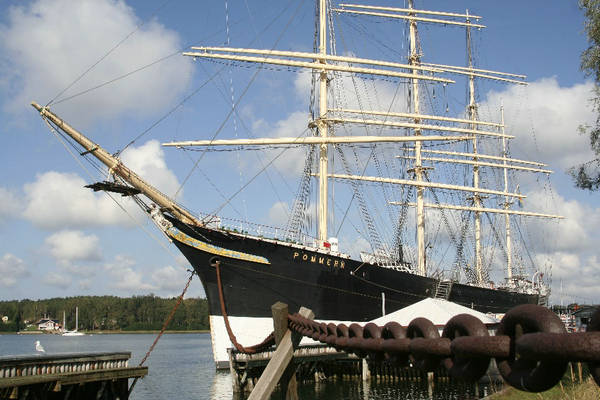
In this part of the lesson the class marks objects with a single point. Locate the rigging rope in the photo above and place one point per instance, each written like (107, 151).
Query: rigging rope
(164, 327)
(108, 53)
(234, 107)
(64, 142)
(171, 111)
(299, 210)
(251, 179)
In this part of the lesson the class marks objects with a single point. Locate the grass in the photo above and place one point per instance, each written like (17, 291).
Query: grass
(569, 388)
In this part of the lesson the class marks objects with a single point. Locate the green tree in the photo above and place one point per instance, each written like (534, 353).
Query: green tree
(587, 174)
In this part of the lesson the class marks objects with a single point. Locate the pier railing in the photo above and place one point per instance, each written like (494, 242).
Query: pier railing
(67, 376)
(16, 366)
(531, 346)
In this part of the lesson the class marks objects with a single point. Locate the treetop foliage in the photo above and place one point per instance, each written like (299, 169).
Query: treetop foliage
(108, 313)
(587, 174)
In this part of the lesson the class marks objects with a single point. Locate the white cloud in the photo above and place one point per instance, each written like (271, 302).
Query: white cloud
(10, 205)
(12, 269)
(170, 278)
(148, 161)
(59, 200)
(79, 269)
(61, 281)
(279, 214)
(291, 162)
(68, 246)
(577, 232)
(575, 277)
(555, 112)
(356, 246)
(182, 261)
(48, 44)
(124, 277)
(85, 284)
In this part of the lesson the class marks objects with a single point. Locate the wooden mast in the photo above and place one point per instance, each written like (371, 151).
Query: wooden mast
(322, 126)
(418, 169)
(116, 167)
(476, 197)
(507, 204)
(415, 71)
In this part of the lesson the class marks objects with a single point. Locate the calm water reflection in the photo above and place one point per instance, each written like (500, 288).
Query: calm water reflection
(181, 367)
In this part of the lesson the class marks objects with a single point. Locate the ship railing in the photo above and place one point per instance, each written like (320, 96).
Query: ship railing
(259, 231)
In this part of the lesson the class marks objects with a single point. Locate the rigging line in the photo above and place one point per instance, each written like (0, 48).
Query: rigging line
(365, 167)
(94, 164)
(56, 133)
(372, 155)
(250, 134)
(116, 79)
(254, 177)
(523, 241)
(240, 98)
(108, 53)
(171, 111)
(215, 187)
(134, 71)
(235, 124)
(239, 118)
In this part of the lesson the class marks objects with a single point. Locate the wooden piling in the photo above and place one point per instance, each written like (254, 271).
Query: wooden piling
(366, 373)
(282, 356)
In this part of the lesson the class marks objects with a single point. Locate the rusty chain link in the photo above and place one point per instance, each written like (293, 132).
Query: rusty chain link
(531, 345)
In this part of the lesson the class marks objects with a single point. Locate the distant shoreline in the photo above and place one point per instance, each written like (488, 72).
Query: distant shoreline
(107, 332)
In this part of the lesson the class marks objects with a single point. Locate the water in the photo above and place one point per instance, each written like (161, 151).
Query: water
(181, 367)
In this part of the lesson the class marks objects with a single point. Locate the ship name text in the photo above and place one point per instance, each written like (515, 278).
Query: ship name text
(319, 259)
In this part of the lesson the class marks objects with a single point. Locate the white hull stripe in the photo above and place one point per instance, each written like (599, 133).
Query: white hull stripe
(176, 234)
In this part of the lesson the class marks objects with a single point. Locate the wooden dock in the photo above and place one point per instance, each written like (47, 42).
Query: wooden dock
(245, 369)
(67, 376)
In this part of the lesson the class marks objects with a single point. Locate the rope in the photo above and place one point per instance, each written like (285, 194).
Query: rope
(267, 342)
(106, 54)
(164, 327)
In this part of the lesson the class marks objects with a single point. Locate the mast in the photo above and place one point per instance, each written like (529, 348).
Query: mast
(322, 127)
(414, 120)
(476, 196)
(116, 167)
(418, 169)
(507, 204)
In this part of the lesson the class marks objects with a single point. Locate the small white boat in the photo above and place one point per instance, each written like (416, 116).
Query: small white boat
(74, 332)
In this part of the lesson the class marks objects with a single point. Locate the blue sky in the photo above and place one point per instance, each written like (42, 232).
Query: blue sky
(58, 239)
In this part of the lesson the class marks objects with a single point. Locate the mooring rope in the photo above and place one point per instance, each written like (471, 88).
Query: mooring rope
(164, 327)
(267, 342)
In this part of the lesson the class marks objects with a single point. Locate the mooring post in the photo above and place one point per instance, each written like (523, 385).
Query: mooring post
(282, 356)
(366, 373)
(233, 372)
(287, 381)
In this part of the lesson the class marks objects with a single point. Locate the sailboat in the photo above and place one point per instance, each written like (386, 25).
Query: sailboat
(74, 332)
(435, 172)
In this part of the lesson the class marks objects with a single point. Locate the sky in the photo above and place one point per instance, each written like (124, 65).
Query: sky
(113, 69)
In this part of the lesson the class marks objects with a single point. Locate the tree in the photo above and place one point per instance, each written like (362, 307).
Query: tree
(587, 175)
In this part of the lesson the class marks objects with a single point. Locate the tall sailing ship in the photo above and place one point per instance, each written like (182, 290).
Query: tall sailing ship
(434, 171)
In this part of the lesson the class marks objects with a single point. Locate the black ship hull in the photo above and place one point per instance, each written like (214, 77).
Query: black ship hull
(334, 287)
(256, 273)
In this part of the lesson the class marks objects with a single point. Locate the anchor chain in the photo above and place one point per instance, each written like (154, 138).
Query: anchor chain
(531, 346)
